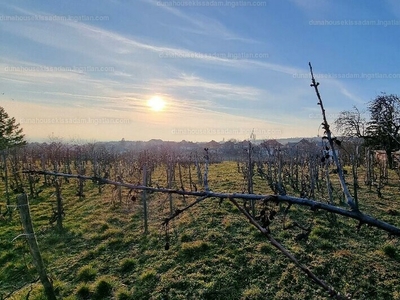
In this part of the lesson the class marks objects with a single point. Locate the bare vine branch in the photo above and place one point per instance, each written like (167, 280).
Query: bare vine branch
(314, 205)
(285, 252)
(350, 201)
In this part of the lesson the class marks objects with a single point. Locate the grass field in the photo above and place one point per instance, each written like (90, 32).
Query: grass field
(214, 253)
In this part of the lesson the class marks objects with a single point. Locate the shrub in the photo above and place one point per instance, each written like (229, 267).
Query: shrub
(389, 250)
(193, 249)
(103, 289)
(86, 273)
(83, 291)
(127, 265)
(123, 295)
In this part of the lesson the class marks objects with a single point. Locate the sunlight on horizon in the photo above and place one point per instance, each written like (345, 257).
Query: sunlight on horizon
(156, 103)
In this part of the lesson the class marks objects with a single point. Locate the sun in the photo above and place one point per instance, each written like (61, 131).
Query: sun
(156, 103)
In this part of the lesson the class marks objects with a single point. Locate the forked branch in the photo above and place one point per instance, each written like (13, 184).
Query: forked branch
(314, 205)
(285, 252)
(325, 124)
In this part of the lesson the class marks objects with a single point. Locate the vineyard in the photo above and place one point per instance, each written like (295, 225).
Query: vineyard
(314, 221)
(162, 224)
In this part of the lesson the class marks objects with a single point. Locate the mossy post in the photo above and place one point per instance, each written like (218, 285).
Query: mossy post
(169, 176)
(144, 196)
(24, 211)
(250, 176)
(60, 209)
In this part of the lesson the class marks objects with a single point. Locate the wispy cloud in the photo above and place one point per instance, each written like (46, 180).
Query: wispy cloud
(202, 90)
(313, 6)
(201, 24)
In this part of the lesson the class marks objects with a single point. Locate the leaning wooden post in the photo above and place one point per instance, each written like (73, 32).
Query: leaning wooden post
(145, 200)
(23, 204)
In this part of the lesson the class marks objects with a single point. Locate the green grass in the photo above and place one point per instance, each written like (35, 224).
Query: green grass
(214, 252)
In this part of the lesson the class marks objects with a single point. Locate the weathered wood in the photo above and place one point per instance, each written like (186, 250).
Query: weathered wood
(144, 200)
(24, 211)
(169, 179)
(354, 214)
(349, 198)
(283, 250)
(250, 174)
(60, 209)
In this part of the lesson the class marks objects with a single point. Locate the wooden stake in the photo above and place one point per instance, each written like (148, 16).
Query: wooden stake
(146, 229)
(23, 204)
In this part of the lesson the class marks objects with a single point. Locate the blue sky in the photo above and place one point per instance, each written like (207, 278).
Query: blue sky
(84, 70)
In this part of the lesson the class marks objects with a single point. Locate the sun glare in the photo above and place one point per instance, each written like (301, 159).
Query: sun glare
(156, 103)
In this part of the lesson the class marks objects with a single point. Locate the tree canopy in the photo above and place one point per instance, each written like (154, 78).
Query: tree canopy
(381, 130)
(10, 132)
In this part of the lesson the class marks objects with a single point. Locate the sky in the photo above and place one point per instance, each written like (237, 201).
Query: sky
(85, 70)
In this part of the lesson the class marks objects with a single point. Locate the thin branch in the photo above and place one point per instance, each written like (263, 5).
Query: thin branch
(325, 124)
(314, 205)
(179, 211)
(285, 252)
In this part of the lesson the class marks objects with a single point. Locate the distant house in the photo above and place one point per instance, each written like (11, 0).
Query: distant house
(228, 147)
(302, 146)
(187, 146)
(241, 145)
(213, 147)
(269, 147)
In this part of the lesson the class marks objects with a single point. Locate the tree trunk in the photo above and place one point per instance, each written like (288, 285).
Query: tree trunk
(389, 158)
(6, 176)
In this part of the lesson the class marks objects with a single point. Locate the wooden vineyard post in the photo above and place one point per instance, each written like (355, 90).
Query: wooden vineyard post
(250, 178)
(60, 209)
(23, 204)
(171, 206)
(145, 200)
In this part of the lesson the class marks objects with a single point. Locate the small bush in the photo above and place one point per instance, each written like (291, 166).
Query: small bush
(123, 295)
(193, 249)
(185, 238)
(148, 281)
(253, 292)
(127, 265)
(83, 291)
(103, 289)
(104, 227)
(148, 275)
(265, 249)
(389, 250)
(86, 274)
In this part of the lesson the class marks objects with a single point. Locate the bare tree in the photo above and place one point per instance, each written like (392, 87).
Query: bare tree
(351, 123)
